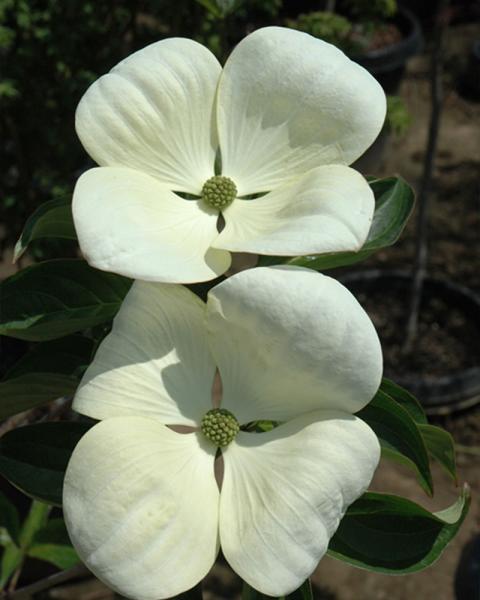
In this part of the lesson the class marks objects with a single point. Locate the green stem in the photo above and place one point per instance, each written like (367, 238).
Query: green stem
(14, 556)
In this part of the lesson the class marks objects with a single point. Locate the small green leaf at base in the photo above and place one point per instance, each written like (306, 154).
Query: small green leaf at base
(9, 519)
(13, 556)
(52, 544)
(389, 534)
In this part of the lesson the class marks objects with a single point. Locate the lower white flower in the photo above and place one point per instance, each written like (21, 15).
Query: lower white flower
(141, 501)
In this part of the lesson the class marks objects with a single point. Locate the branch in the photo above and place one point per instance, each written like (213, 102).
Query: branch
(44, 584)
(421, 245)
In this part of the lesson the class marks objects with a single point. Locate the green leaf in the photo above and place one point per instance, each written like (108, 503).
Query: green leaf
(399, 436)
(49, 371)
(52, 544)
(33, 389)
(441, 447)
(51, 220)
(34, 458)
(55, 298)
(212, 7)
(403, 397)
(13, 556)
(389, 534)
(439, 443)
(69, 356)
(9, 519)
(394, 200)
(220, 8)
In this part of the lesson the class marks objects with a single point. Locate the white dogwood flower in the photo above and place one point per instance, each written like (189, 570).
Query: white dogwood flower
(141, 502)
(286, 115)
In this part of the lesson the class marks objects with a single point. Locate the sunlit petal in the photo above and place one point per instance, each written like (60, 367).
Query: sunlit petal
(155, 362)
(289, 102)
(128, 507)
(129, 223)
(285, 491)
(329, 209)
(288, 341)
(154, 112)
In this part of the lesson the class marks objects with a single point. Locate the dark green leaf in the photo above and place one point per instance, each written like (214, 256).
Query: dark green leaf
(399, 436)
(388, 534)
(34, 458)
(394, 200)
(49, 371)
(33, 389)
(67, 356)
(52, 544)
(403, 397)
(58, 297)
(51, 220)
(441, 447)
(9, 518)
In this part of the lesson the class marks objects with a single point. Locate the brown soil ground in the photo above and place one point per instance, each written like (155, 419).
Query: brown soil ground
(454, 253)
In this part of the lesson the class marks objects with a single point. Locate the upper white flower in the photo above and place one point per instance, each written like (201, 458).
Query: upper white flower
(287, 113)
(141, 502)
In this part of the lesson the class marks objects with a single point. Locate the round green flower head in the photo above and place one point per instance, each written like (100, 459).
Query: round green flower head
(219, 192)
(220, 426)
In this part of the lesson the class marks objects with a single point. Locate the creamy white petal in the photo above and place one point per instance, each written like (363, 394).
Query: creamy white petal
(129, 223)
(288, 102)
(154, 112)
(285, 491)
(128, 507)
(329, 209)
(155, 362)
(289, 341)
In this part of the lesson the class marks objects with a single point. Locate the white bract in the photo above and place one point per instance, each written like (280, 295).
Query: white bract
(141, 501)
(287, 114)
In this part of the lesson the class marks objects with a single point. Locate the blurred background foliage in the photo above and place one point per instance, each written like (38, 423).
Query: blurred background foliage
(52, 51)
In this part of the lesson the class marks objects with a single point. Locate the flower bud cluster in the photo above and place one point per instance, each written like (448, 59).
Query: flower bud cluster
(219, 192)
(220, 426)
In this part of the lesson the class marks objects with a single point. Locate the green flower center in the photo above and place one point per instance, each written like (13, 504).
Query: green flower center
(220, 426)
(219, 192)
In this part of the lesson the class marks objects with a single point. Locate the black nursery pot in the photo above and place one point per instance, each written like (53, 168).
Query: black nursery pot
(445, 394)
(388, 64)
(469, 84)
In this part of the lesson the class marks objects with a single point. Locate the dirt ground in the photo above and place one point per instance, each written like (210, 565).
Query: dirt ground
(454, 253)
